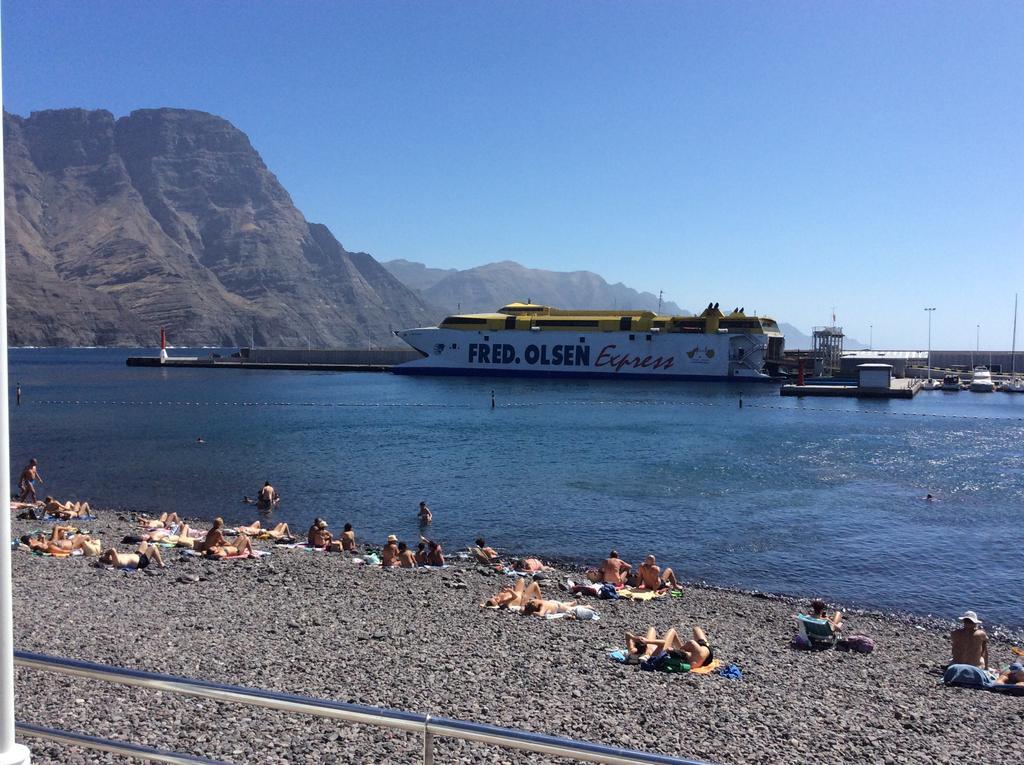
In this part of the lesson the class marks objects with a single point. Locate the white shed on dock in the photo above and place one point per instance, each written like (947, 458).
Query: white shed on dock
(874, 376)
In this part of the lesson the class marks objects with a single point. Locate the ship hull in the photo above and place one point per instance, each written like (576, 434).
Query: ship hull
(605, 355)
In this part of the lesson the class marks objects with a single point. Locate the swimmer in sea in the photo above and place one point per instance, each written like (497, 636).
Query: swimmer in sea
(425, 515)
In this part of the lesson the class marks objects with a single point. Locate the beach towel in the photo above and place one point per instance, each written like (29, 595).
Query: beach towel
(732, 672)
(642, 595)
(966, 676)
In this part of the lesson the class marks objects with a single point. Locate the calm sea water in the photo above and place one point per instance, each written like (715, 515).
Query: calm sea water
(802, 496)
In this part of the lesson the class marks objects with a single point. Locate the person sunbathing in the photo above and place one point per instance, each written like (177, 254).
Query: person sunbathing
(1012, 676)
(696, 652)
(255, 529)
(140, 559)
(389, 553)
(65, 510)
(651, 577)
(572, 609)
(435, 555)
(489, 552)
(819, 611)
(171, 536)
(165, 521)
(970, 642)
(421, 554)
(529, 565)
(406, 557)
(614, 570)
(318, 535)
(348, 539)
(516, 595)
(241, 545)
(58, 542)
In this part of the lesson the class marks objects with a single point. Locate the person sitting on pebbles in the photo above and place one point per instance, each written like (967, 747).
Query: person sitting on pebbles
(59, 543)
(318, 535)
(140, 559)
(970, 642)
(650, 576)
(435, 555)
(389, 553)
(421, 554)
(348, 539)
(516, 595)
(406, 557)
(65, 510)
(696, 652)
(614, 570)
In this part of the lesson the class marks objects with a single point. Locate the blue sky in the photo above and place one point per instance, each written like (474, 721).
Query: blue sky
(788, 157)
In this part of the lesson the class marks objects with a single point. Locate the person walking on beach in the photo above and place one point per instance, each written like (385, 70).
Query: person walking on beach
(27, 482)
(267, 499)
(424, 513)
(970, 643)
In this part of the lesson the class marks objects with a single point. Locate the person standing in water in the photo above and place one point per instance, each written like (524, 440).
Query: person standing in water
(424, 513)
(267, 499)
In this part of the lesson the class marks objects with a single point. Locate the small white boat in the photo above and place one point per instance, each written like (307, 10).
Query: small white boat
(981, 381)
(950, 382)
(931, 384)
(1016, 385)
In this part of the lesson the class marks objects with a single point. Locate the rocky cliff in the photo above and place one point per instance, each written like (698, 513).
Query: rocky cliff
(489, 287)
(169, 217)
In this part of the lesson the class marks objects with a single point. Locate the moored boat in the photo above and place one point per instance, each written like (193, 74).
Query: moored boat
(525, 339)
(951, 382)
(981, 381)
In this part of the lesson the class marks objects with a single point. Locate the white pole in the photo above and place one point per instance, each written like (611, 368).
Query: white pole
(1013, 347)
(929, 310)
(11, 753)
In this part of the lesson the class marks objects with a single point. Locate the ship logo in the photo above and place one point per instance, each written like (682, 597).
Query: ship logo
(438, 347)
(696, 354)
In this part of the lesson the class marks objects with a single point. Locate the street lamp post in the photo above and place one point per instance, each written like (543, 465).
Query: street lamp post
(871, 337)
(977, 343)
(11, 752)
(930, 311)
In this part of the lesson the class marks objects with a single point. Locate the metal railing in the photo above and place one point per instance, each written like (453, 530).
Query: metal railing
(426, 725)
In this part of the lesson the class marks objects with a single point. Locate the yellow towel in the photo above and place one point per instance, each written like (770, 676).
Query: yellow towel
(707, 669)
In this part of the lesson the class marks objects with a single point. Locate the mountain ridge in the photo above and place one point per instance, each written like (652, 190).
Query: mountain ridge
(169, 217)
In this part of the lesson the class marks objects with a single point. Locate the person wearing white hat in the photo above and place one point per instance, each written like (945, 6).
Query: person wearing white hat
(389, 555)
(970, 643)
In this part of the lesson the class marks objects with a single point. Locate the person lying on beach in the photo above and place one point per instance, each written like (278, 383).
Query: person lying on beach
(406, 557)
(651, 577)
(254, 529)
(58, 541)
(970, 642)
(348, 539)
(543, 608)
(140, 559)
(318, 535)
(613, 570)
(696, 652)
(240, 546)
(424, 513)
(489, 552)
(819, 611)
(389, 553)
(529, 565)
(516, 595)
(165, 521)
(1012, 676)
(170, 536)
(65, 510)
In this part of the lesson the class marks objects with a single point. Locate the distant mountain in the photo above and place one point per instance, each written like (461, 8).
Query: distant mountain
(169, 217)
(487, 288)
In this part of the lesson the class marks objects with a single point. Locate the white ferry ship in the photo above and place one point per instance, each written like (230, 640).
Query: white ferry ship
(523, 339)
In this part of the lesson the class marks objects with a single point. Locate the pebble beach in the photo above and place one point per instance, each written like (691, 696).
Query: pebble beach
(319, 624)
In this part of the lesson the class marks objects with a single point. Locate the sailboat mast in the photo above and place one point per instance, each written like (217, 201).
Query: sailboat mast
(1013, 348)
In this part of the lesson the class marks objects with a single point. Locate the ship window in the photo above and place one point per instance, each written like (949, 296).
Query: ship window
(632, 337)
(648, 337)
(510, 322)
(454, 346)
(583, 339)
(626, 323)
(487, 338)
